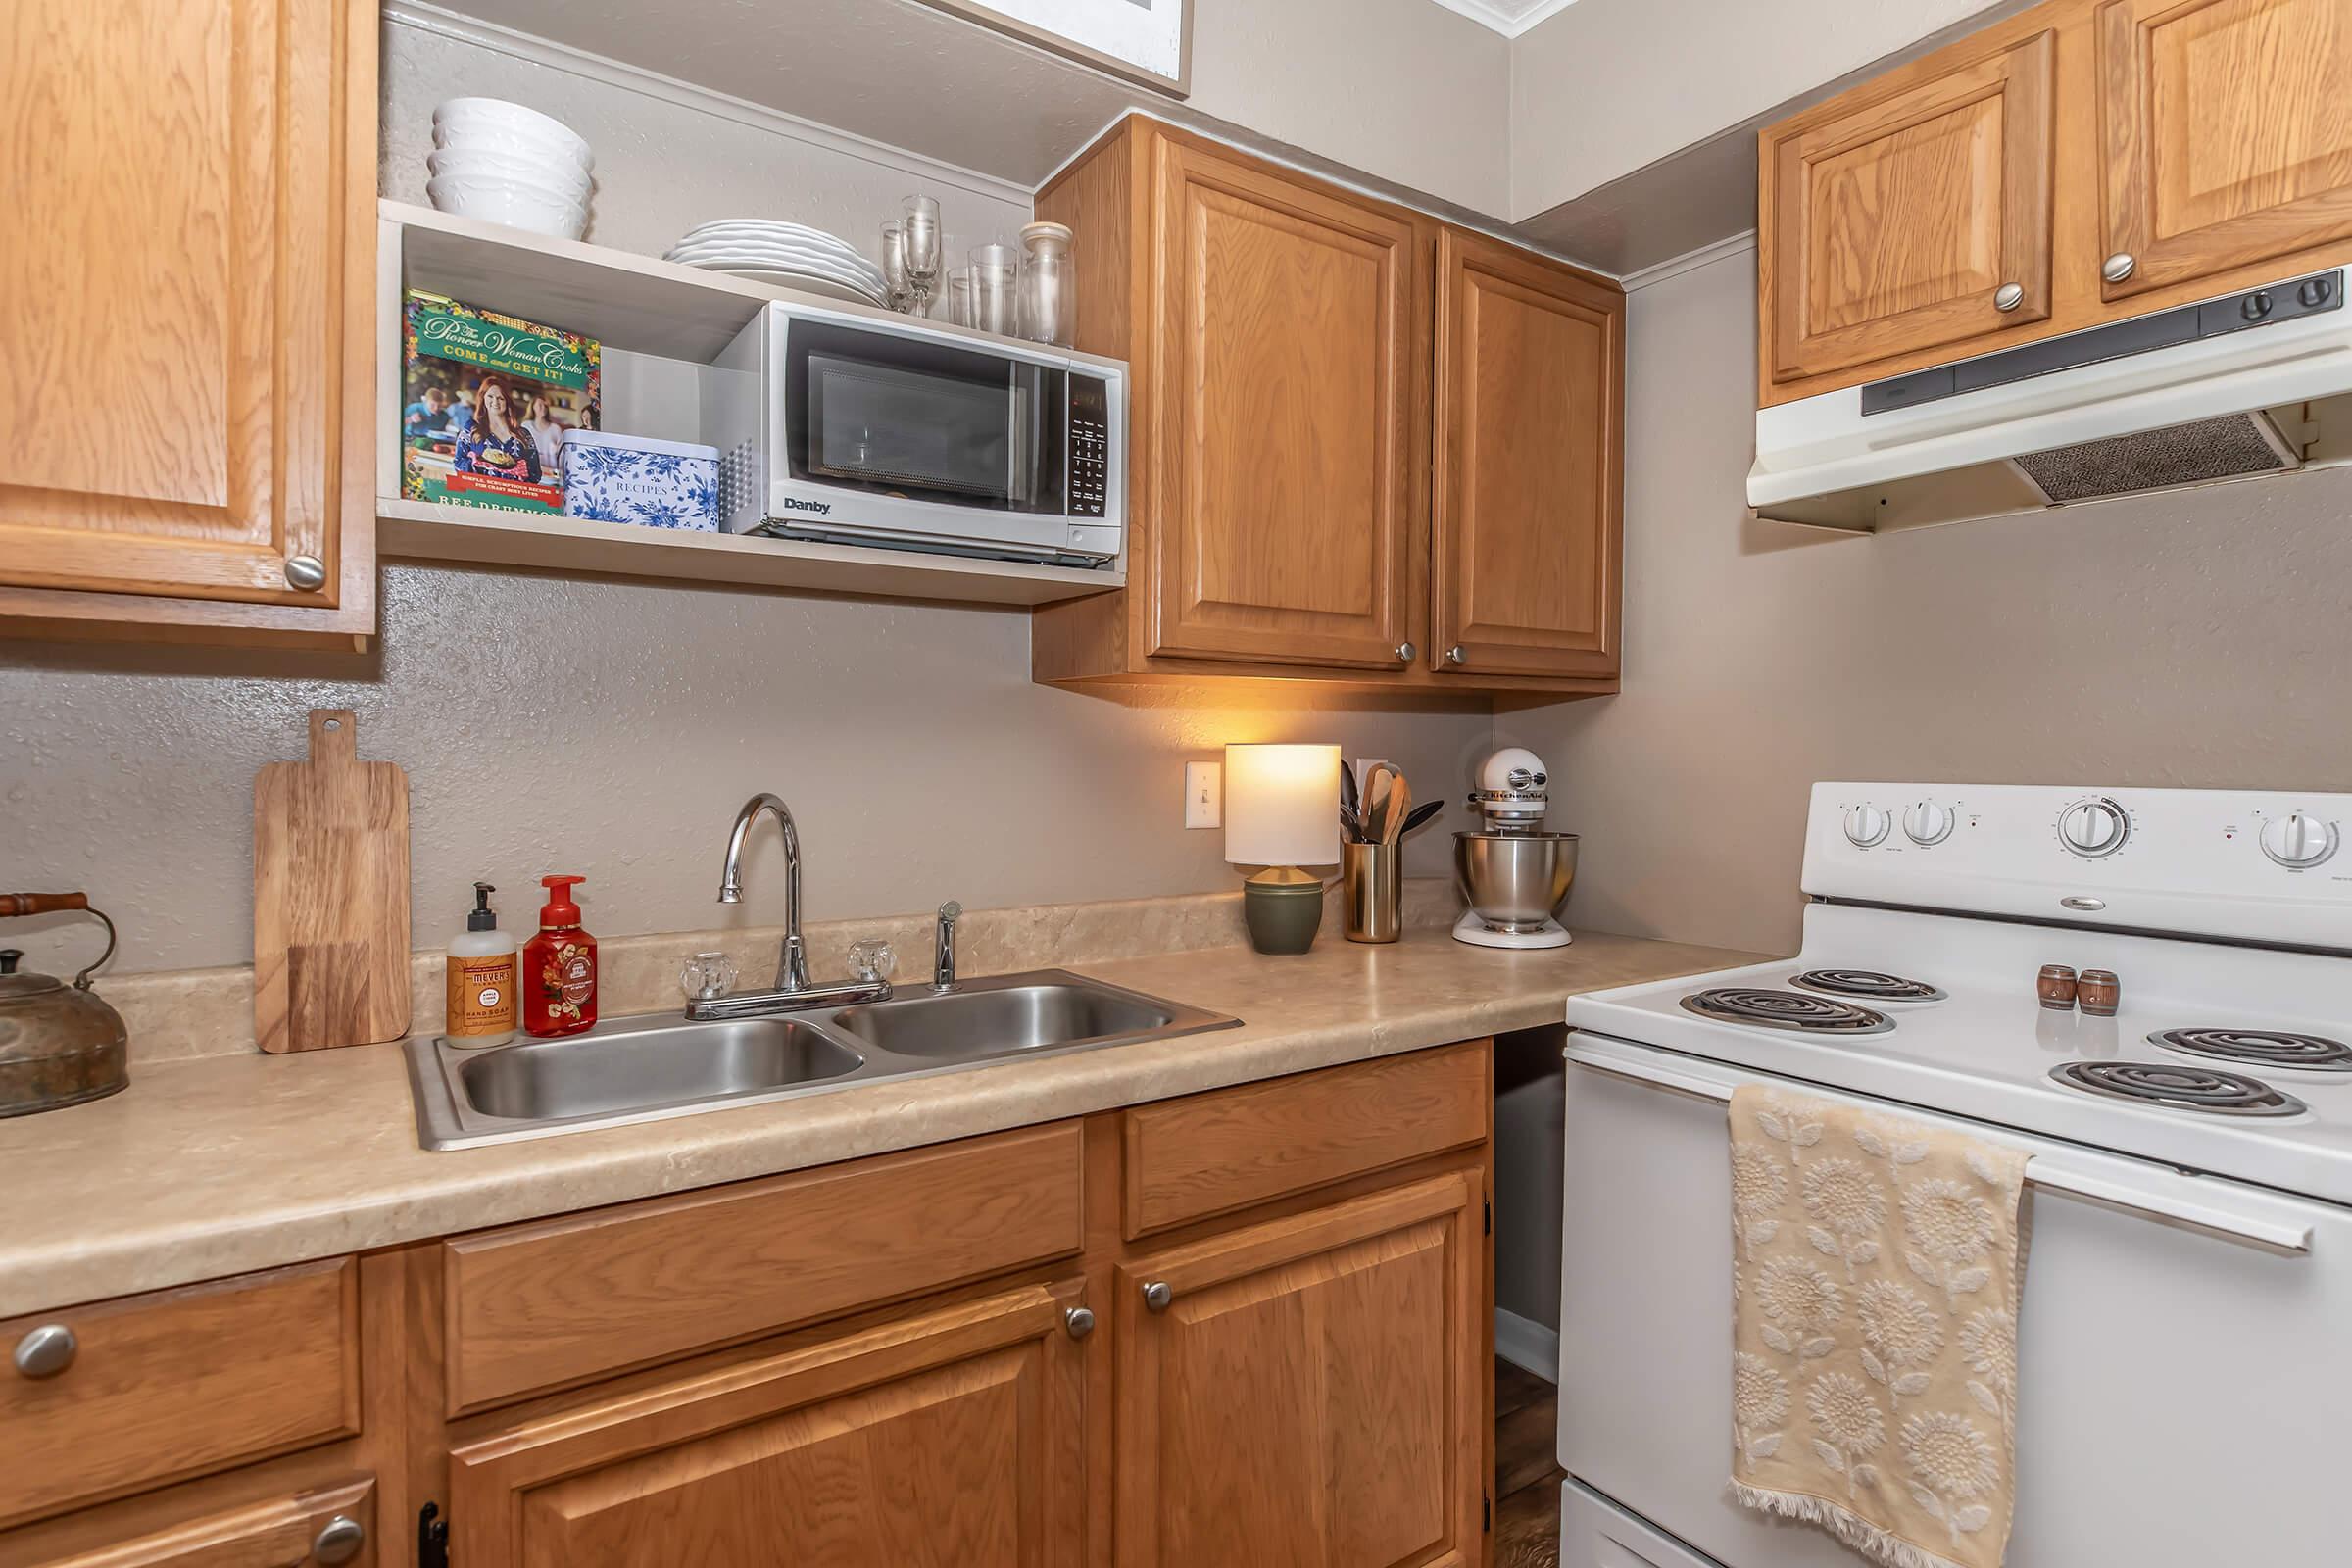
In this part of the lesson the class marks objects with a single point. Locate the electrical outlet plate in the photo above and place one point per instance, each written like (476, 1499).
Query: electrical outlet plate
(1204, 795)
(1363, 771)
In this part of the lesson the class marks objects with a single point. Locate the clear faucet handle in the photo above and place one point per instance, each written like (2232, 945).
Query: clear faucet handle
(872, 960)
(707, 976)
(951, 911)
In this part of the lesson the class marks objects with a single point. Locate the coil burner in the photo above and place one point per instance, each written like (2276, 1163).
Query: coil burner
(1786, 1010)
(2206, 1090)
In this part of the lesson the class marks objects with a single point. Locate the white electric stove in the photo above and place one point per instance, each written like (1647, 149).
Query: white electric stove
(2187, 1330)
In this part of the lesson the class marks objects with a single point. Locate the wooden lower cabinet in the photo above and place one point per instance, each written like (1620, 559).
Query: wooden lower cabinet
(1308, 1391)
(330, 1527)
(1237, 1329)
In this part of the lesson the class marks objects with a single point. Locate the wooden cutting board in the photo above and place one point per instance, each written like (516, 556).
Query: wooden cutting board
(330, 895)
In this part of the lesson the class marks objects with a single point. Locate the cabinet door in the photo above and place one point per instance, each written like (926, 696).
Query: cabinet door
(1528, 535)
(331, 1525)
(1310, 1393)
(183, 297)
(1905, 216)
(2227, 133)
(1290, 409)
(949, 1440)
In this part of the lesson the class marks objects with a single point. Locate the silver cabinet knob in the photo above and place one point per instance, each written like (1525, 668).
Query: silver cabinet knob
(306, 572)
(2121, 265)
(46, 1350)
(1080, 1321)
(1157, 1294)
(339, 1541)
(2009, 296)
(1405, 653)
(1456, 654)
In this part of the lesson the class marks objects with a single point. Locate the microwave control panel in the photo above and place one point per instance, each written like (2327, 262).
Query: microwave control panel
(1090, 445)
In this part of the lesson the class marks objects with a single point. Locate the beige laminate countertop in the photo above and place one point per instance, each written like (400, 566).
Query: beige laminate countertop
(229, 1163)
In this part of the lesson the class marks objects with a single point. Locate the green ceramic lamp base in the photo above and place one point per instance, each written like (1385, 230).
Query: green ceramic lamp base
(1283, 908)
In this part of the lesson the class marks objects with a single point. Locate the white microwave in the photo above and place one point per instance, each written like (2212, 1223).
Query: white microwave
(859, 426)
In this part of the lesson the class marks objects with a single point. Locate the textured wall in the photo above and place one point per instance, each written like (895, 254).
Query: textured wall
(611, 728)
(2200, 639)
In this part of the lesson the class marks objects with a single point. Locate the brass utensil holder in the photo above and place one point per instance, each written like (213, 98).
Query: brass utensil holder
(1371, 890)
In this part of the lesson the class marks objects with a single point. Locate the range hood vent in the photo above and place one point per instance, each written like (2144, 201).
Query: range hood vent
(2231, 388)
(2232, 446)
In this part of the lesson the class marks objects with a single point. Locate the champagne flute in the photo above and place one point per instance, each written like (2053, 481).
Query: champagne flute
(919, 232)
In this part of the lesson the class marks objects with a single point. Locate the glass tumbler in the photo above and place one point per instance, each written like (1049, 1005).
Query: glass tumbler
(1049, 302)
(894, 265)
(959, 296)
(996, 277)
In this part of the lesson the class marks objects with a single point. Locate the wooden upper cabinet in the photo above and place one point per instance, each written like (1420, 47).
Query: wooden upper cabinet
(1308, 1392)
(185, 303)
(1291, 387)
(1895, 218)
(2227, 133)
(1528, 532)
(949, 1440)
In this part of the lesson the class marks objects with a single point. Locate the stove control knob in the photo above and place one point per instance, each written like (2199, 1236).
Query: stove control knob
(1926, 822)
(2094, 827)
(2296, 840)
(1867, 826)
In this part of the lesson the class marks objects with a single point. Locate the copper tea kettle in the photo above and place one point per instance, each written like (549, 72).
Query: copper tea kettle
(59, 1044)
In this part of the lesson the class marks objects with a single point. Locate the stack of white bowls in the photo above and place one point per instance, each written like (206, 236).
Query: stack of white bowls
(506, 164)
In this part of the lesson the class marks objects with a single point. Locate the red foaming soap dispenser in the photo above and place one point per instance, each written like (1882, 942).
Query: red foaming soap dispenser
(558, 966)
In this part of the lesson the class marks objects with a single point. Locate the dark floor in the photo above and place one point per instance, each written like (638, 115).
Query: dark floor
(1527, 1479)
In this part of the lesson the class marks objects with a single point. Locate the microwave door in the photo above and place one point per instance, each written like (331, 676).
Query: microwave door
(919, 440)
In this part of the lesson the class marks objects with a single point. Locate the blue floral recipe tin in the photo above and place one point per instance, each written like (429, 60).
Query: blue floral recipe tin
(633, 478)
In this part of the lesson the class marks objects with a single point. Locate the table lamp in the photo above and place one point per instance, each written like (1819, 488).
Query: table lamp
(1281, 812)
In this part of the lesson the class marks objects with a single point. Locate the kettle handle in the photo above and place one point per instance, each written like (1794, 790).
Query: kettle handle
(13, 904)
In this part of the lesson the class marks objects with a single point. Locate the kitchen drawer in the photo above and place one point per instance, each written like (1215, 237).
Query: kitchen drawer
(558, 1302)
(1211, 1153)
(334, 1524)
(181, 1383)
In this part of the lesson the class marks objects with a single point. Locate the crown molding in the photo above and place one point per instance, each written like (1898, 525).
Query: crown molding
(1508, 20)
(1690, 261)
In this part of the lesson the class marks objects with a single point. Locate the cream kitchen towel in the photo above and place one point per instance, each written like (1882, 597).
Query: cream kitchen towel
(1876, 1271)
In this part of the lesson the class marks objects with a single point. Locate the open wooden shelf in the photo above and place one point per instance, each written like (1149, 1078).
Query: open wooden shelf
(634, 306)
(426, 530)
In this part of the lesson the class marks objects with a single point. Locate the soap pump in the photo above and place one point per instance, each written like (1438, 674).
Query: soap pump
(482, 970)
(559, 966)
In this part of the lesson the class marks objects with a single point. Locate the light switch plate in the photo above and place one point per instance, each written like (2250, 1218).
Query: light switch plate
(1204, 795)
(1363, 771)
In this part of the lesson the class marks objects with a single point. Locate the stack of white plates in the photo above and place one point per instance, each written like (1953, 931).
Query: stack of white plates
(506, 164)
(787, 254)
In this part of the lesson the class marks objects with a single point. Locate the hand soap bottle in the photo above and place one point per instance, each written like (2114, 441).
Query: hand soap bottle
(483, 973)
(559, 966)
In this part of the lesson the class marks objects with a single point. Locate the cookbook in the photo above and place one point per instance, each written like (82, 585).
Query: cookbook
(485, 400)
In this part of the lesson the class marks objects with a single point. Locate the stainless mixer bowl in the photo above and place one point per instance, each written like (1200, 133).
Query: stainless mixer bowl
(1515, 880)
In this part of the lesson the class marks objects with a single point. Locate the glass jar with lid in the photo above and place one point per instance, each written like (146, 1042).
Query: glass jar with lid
(1049, 284)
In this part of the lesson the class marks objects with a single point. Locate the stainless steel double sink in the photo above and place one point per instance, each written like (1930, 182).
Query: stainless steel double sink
(646, 1068)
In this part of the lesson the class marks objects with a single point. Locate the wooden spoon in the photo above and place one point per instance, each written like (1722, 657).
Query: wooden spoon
(1400, 804)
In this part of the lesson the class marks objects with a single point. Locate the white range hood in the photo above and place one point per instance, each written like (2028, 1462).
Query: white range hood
(2240, 386)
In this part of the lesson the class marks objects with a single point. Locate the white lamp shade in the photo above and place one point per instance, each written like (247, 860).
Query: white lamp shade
(1282, 805)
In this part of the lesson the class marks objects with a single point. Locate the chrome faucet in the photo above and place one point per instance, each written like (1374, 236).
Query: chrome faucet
(792, 989)
(943, 946)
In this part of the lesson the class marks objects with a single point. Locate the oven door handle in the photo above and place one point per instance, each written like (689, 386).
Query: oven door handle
(2283, 1239)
